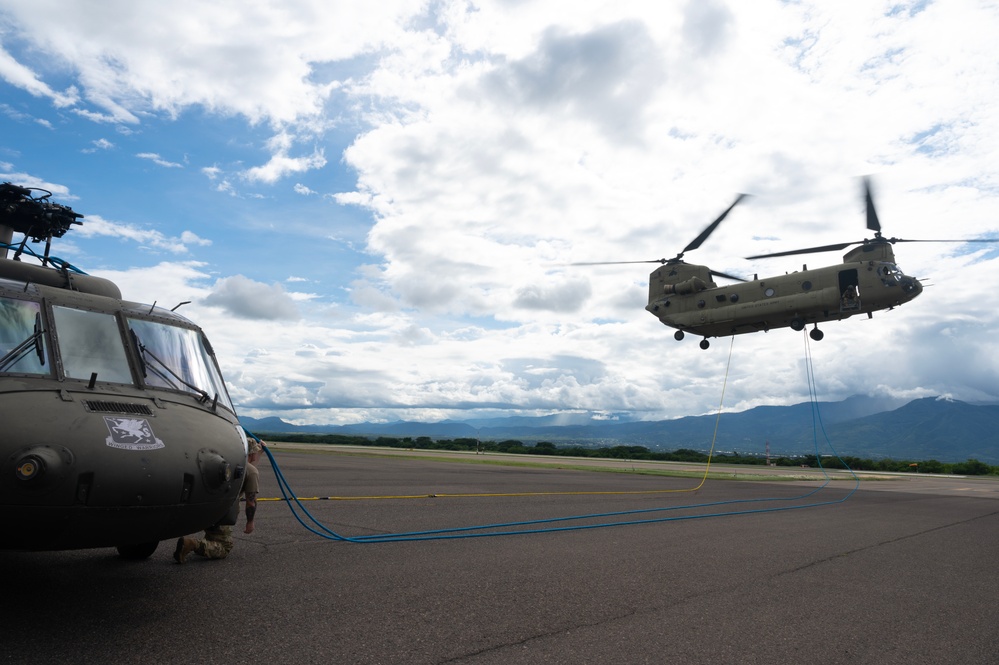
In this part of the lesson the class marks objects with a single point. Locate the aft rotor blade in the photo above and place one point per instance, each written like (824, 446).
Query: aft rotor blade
(717, 273)
(809, 250)
(696, 242)
(872, 215)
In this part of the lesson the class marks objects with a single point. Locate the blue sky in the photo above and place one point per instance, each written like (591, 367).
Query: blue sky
(371, 208)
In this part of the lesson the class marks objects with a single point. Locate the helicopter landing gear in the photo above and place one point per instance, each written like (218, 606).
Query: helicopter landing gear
(816, 334)
(678, 335)
(137, 552)
(797, 324)
(705, 343)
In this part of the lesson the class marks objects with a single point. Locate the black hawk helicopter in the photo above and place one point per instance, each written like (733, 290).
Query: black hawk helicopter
(117, 426)
(684, 296)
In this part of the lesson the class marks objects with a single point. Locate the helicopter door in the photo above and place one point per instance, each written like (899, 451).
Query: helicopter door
(849, 289)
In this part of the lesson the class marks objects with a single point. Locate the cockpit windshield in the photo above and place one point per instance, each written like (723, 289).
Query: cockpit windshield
(890, 274)
(23, 348)
(89, 343)
(176, 358)
(171, 357)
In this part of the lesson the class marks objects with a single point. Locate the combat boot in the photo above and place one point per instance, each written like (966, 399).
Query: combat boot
(184, 547)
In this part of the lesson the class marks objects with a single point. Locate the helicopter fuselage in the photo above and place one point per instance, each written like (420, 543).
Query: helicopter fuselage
(683, 296)
(117, 427)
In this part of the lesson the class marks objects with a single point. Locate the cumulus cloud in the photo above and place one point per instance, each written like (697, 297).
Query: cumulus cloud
(567, 296)
(248, 299)
(483, 145)
(22, 77)
(281, 165)
(605, 76)
(150, 239)
(156, 159)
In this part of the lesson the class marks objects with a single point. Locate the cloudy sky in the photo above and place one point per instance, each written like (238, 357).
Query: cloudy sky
(371, 206)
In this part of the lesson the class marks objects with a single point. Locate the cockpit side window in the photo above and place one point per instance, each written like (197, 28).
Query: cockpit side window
(23, 343)
(175, 358)
(90, 342)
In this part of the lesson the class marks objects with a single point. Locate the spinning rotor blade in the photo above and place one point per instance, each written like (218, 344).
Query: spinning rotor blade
(844, 245)
(696, 242)
(614, 263)
(716, 273)
(873, 223)
(872, 215)
(895, 240)
(810, 250)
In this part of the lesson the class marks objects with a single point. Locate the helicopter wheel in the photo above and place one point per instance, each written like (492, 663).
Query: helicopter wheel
(678, 335)
(138, 551)
(705, 343)
(797, 324)
(816, 334)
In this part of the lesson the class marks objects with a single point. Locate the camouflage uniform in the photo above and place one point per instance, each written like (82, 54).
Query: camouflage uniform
(217, 542)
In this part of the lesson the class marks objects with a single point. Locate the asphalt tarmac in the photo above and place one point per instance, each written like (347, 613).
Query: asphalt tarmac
(898, 571)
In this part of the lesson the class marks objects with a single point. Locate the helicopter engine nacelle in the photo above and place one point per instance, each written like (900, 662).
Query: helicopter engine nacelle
(686, 287)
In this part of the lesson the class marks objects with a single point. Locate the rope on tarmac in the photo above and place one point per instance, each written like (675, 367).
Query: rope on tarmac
(521, 527)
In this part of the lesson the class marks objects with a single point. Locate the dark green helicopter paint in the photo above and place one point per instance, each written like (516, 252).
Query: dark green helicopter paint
(117, 426)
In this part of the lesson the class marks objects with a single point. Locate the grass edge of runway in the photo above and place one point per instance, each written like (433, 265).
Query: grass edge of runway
(716, 474)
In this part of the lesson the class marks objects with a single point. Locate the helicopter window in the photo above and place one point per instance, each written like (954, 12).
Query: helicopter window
(734, 297)
(769, 293)
(176, 358)
(23, 347)
(700, 303)
(90, 342)
(720, 297)
(890, 274)
(806, 286)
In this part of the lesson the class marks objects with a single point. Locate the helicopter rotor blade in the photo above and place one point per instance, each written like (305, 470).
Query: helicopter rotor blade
(844, 245)
(718, 273)
(809, 250)
(696, 242)
(872, 214)
(614, 263)
(894, 240)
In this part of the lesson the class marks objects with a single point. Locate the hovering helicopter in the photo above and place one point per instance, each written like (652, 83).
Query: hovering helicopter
(684, 296)
(118, 430)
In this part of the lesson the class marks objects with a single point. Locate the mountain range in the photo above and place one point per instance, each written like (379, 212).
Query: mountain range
(861, 426)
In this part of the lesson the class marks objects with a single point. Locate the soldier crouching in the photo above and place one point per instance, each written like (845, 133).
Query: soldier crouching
(217, 542)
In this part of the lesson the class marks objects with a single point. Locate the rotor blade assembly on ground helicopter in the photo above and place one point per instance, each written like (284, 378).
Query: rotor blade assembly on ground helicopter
(684, 296)
(118, 430)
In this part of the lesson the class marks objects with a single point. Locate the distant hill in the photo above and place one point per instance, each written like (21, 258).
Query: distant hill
(923, 429)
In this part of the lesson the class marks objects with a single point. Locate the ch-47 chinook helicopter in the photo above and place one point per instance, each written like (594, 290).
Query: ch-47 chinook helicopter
(684, 296)
(117, 427)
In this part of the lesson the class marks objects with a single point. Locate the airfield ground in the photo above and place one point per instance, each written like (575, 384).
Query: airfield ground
(898, 570)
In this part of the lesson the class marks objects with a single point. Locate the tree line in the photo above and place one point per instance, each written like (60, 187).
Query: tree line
(971, 467)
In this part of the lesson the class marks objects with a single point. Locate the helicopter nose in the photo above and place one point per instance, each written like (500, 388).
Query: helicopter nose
(911, 287)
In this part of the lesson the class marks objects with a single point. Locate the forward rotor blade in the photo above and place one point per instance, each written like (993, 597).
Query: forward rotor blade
(696, 242)
(614, 263)
(893, 240)
(872, 215)
(809, 250)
